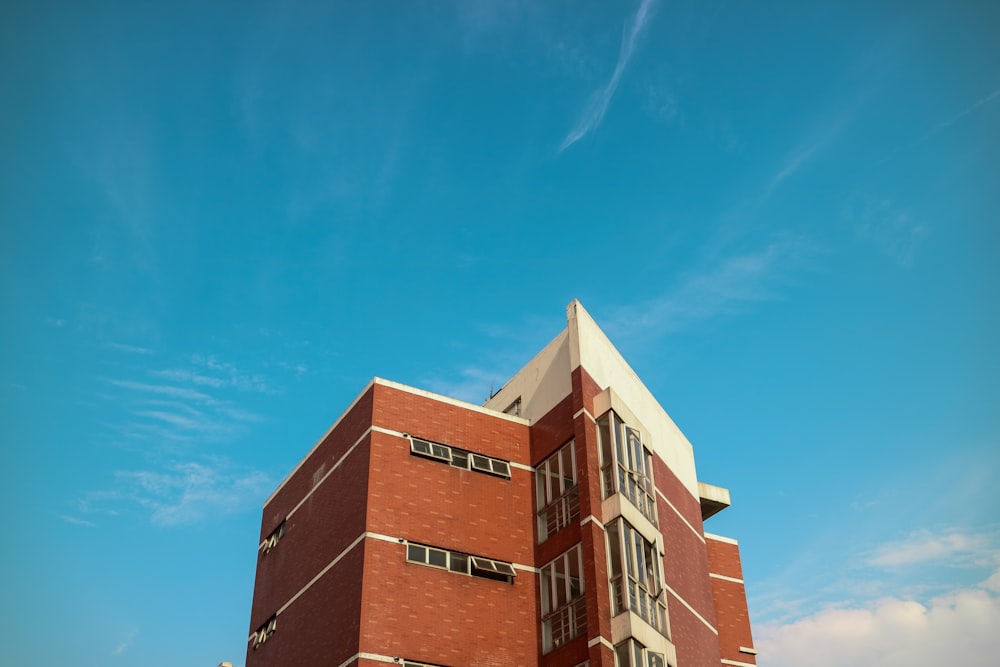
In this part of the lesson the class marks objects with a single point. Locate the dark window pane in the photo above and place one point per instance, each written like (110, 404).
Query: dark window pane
(459, 563)
(436, 557)
(416, 553)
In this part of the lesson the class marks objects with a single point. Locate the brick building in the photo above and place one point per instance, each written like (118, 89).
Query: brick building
(558, 525)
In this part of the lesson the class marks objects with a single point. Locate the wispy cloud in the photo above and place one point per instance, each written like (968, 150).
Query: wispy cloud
(891, 228)
(124, 644)
(794, 161)
(925, 547)
(597, 105)
(821, 134)
(182, 405)
(731, 285)
(183, 393)
(187, 492)
(130, 349)
(76, 521)
(995, 95)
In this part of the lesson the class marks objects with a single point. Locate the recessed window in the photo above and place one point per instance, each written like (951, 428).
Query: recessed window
(264, 632)
(564, 607)
(460, 458)
(272, 540)
(410, 663)
(631, 653)
(635, 575)
(514, 408)
(459, 562)
(626, 465)
(556, 492)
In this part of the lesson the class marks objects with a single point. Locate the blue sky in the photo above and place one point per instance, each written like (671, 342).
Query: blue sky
(219, 220)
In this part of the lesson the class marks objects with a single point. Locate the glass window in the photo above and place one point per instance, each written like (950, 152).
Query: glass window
(556, 492)
(635, 575)
(626, 465)
(564, 607)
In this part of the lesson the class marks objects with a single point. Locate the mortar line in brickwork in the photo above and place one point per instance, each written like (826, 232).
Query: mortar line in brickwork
(319, 442)
(330, 471)
(374, 657)
(326, 569)
(737, 663)
(691, 609)
(678, 513)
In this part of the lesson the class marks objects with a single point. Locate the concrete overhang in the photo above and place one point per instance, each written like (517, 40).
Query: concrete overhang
(714, 499)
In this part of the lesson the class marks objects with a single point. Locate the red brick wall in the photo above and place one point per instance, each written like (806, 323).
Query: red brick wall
(697, 645)
(347, 431)
(685, 570)
(685, 564)
(431, 615)
(434, 503)
(328, 614)
(440, 617)
(730, 601)
(552, 431)
(319, 530)
(449, 424)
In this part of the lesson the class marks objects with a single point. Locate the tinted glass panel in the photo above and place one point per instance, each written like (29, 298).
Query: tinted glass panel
(416, 553)
(439, 558)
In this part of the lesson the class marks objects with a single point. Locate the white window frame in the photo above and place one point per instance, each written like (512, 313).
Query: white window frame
(638, 586)
(638, 655)
(556, 493)
(459, 458)
(461, 563)
(272, 540)
(626, 464)
(563, 609)
(264, 632)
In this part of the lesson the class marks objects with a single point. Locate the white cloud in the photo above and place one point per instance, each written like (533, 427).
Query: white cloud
(959, 628)
(77, 521)
(924, 546)
(962, 114)
(597, 106)
(182, 393)
(902, 606)
(729, 286)
(131, 349)
(894, 230)
(188, 492)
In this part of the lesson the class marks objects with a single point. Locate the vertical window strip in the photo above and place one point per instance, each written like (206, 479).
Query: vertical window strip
(556, 492)
(564, 608)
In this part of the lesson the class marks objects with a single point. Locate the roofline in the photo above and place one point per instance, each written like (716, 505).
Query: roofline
(399, 387)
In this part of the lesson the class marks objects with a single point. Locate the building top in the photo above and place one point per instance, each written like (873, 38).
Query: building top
(546, 380)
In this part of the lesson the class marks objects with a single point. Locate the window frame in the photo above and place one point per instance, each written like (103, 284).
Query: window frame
(461, 563)
(567, 611)
(557, 510)
(635, 569)
(637, 655)
(271, 541)
(626, 464)
(264, 632)
(459, 458)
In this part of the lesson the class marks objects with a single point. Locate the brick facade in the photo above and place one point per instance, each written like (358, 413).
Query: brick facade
(342, 591)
